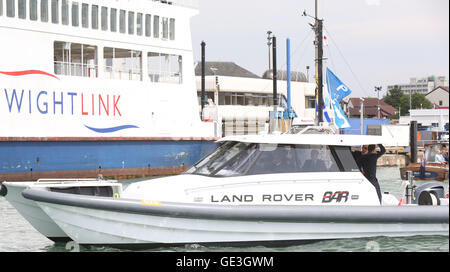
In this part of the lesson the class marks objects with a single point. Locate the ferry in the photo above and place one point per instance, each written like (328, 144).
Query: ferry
(98, 87)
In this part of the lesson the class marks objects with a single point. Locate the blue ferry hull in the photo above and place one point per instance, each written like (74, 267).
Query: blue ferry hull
(30, 160)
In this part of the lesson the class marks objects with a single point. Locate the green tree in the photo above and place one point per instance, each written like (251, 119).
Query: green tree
(393, 97)
(418, 101)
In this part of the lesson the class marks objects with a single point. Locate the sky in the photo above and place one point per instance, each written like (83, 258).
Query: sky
(368, 43)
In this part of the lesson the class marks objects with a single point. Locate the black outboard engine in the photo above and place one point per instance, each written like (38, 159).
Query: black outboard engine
(429, 194)
(3, 190)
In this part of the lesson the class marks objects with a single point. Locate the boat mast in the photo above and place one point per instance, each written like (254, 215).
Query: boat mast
(318, 26)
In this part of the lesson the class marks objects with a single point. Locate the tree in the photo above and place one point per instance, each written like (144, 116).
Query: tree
(418, 101)
(393, 97)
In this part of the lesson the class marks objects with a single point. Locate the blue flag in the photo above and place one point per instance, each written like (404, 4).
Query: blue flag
(337, 91)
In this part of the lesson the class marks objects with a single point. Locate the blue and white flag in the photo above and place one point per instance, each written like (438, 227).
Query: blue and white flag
(337, 91)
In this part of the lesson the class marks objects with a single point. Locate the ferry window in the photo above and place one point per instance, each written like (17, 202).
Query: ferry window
(113, 21)
(139, 24)
(156, 26)
(33, 10)
(85, 15)
(94, 17)
(10, 8)
(1, 7)
(55, 13)
(172, 29)
(122, 21)
(22, 5)
(122, 64)
(104, 18)
(165, 28)
(72, 59)
(75, 14)
(165, 68)
(64, 12)
(130, 22)
(44, 10)
(148, 30)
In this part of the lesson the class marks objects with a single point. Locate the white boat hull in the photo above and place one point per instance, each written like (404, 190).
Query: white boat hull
(93, 227)
(104, 221)
(29, 210)
(33, 213)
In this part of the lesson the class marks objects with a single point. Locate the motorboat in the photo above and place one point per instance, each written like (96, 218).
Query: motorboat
(12, 191)
(429, 168)
(252, 189)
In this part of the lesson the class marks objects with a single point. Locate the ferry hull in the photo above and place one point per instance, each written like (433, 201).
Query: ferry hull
(56, 158)
(124, 222)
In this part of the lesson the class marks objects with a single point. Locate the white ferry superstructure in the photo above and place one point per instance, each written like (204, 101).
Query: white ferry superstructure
(98, 87)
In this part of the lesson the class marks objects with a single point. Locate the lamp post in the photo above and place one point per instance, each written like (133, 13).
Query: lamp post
(269, 43)
(378, 90)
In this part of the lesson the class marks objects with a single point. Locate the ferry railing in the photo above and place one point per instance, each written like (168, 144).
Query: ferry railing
(183, 3)
(123, 74)
(76, 69)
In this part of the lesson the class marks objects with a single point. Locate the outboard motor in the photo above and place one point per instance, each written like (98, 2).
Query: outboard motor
(3, 190)
(429, 194)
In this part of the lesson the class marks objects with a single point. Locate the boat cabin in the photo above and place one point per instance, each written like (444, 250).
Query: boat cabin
(257, 155)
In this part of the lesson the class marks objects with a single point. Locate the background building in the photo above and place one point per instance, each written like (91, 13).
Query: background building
(422, 85)
(244, 99)
(439, 97)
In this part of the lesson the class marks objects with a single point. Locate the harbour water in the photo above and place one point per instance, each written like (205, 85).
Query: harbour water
(17, 235)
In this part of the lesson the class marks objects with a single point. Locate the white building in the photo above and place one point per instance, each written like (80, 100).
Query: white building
(434, 118)
(422, 85)
(243, 97)
(439, 97)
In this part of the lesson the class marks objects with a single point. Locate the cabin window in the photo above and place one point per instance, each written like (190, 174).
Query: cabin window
(156, 26)
(75, 14)
(113, 21)
(165, 68)
(85, 15)
(130, 22)
(165, 28)
(234, 158)
(172, 29)
(94, 17)
(10, 8)
(104, 20)
(64, 12)
(139, 24)
(310, 102)
(148, 30)
(73, 59)
(345, 159)
(33, 10)
(122, 21)
(123, 64)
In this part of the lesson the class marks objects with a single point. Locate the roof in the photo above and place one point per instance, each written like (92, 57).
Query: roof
(371, 107)
(445, 88)
(230, 69)
(309, 139)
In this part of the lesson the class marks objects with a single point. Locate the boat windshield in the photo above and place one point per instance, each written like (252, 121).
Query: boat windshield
(237, 159)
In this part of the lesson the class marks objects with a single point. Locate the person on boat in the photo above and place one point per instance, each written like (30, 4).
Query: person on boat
(445, 154)
(314, 164)
(439, 158)
(367, 162)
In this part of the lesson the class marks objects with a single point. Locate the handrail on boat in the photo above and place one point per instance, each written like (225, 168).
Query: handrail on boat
(65, 180)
